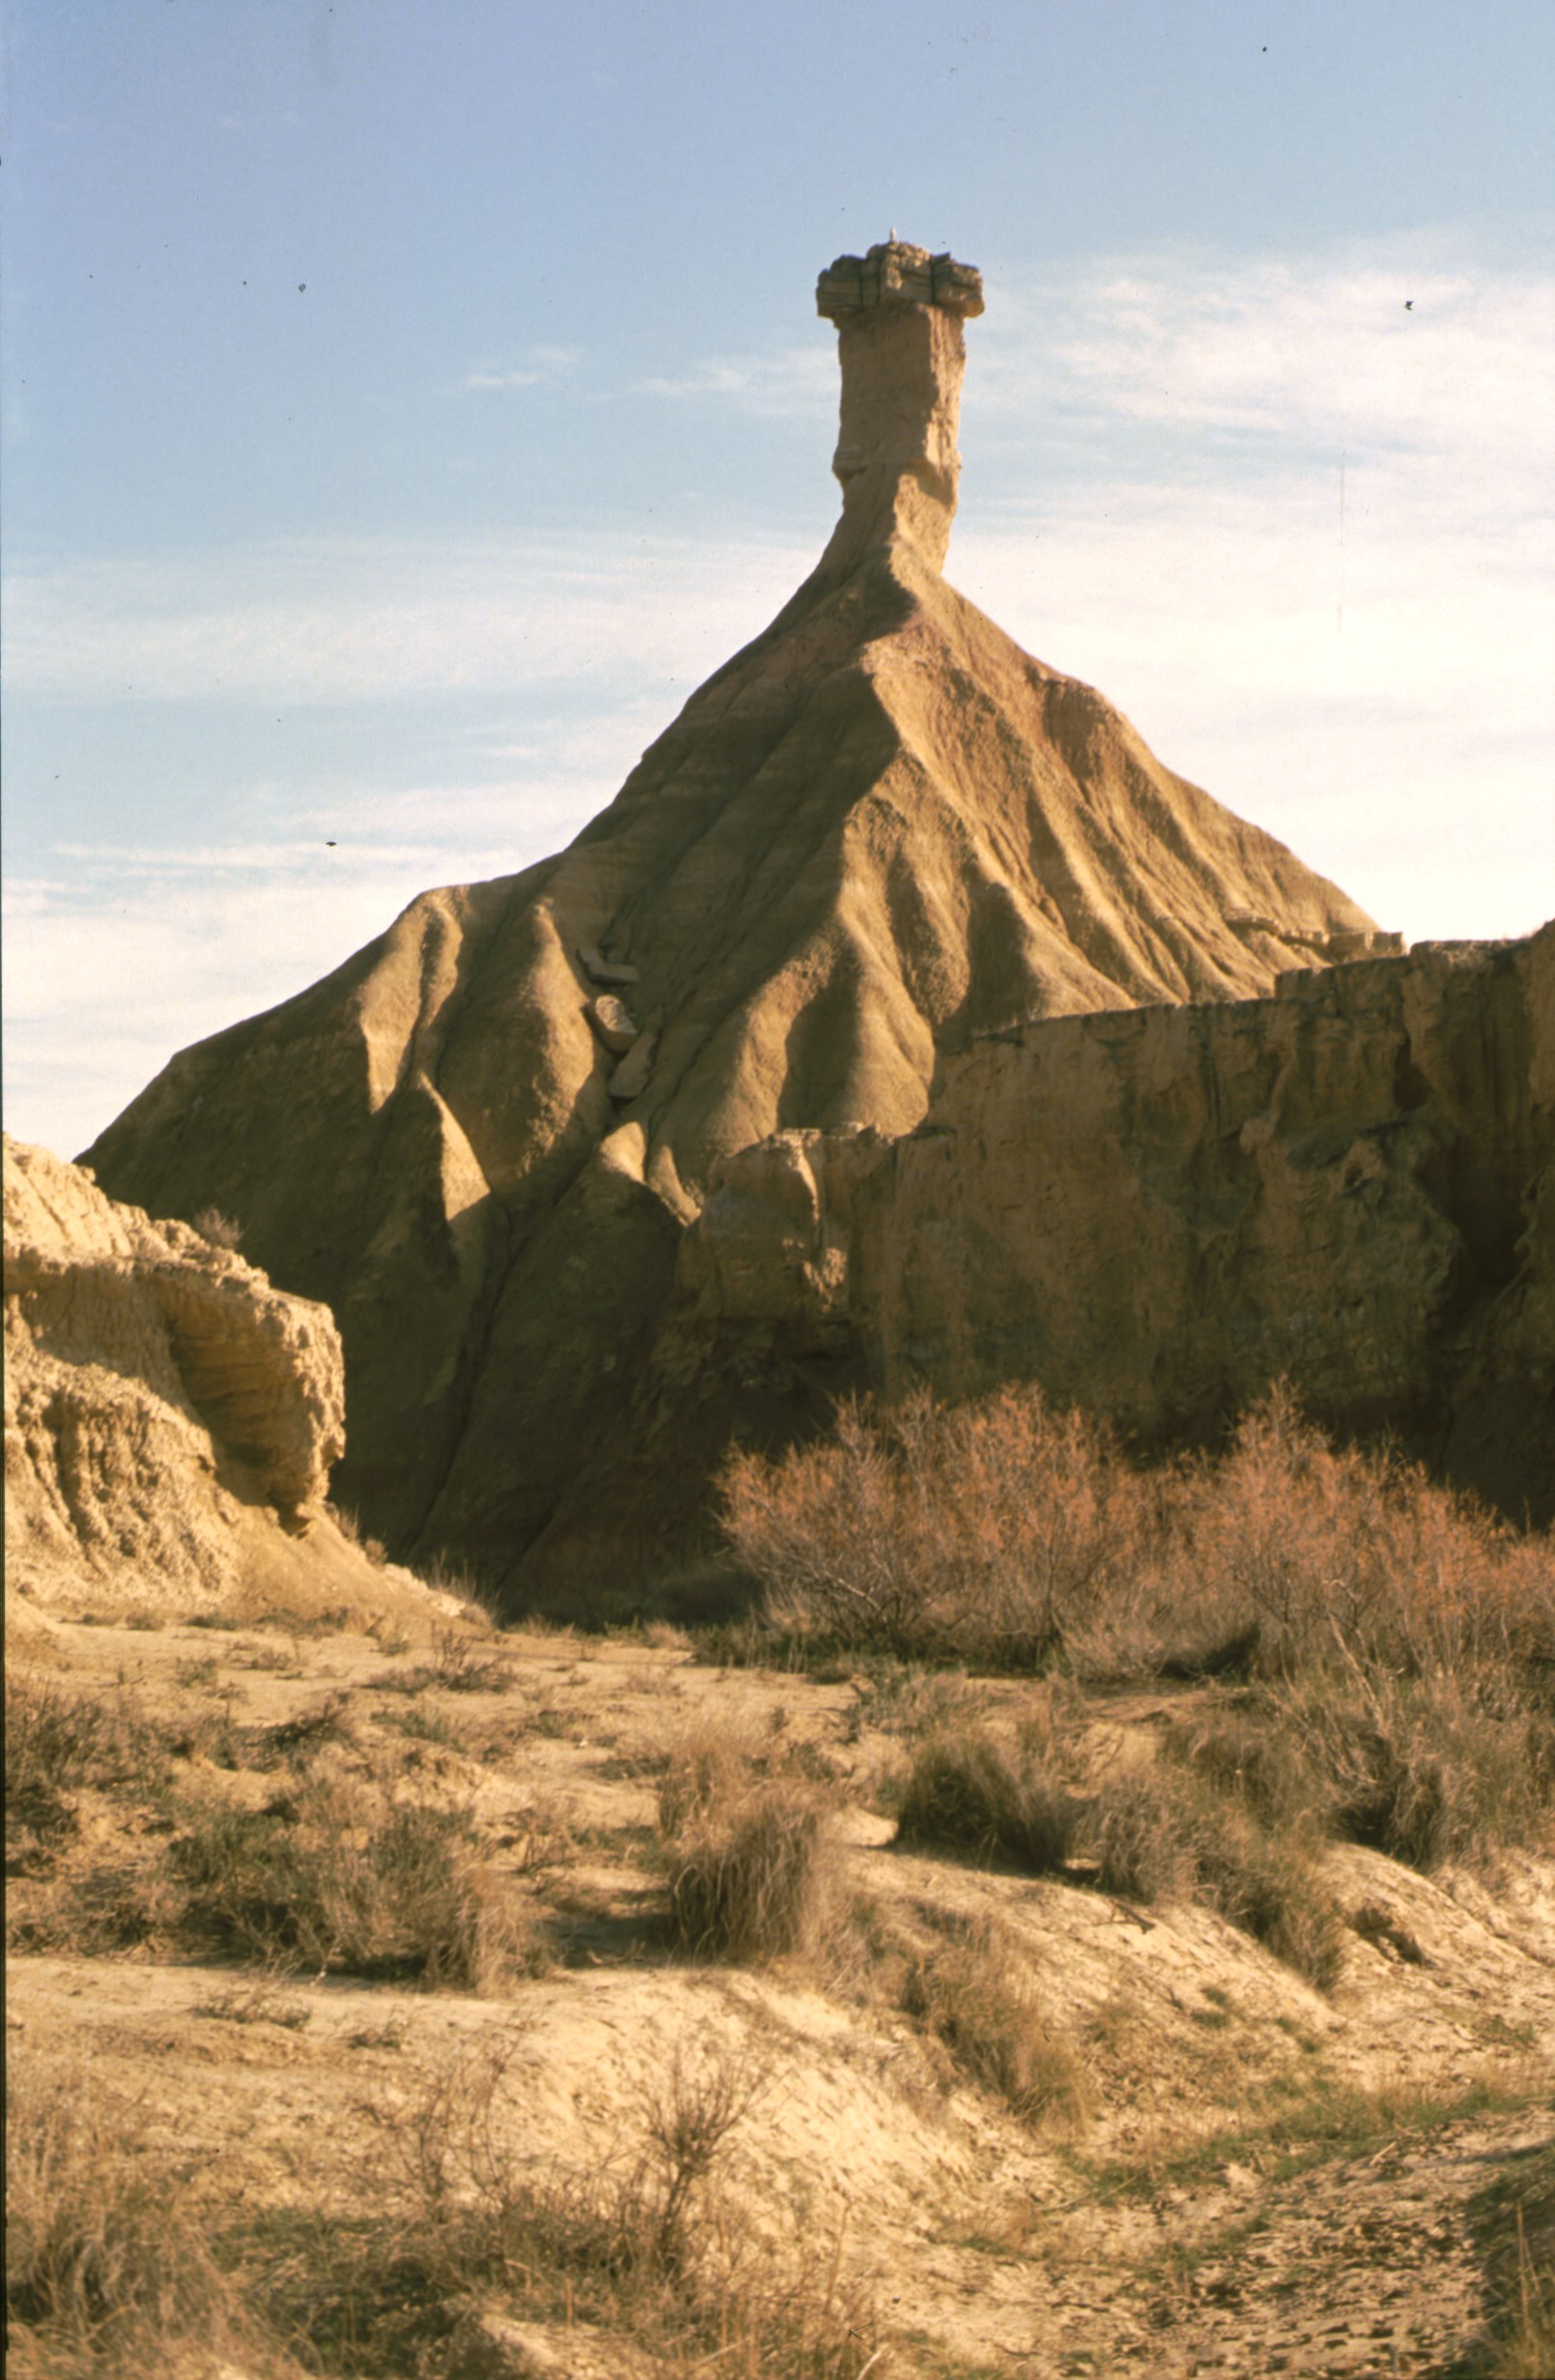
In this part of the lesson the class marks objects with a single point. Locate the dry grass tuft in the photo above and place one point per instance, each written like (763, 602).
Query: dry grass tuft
(967, 1794)
(323, 1880)
(973, 1993)
(754, 1882)
(109, 2270)
(1157, 1834)
(748, 1857)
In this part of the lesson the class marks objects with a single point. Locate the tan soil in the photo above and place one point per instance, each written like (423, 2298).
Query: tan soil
(1167, 2237)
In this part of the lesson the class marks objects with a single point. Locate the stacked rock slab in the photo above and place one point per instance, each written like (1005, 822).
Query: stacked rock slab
(878, 832)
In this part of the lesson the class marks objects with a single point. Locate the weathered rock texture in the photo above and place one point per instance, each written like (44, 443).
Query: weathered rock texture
(170, 1419)
(1156, 1213)
(880, 831)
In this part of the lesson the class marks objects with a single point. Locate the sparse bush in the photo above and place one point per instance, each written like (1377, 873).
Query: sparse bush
(972, 1992)
(350, 1527)
(222, 1231)
(978, 1532)
(461, 2215)
(60, 1744)
(321, 1881)
(458, 1666)
(57, 1742)
(969, 1794)
(688, 2110)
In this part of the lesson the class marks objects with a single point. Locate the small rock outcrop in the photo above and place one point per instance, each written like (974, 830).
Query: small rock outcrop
(878, 833)
(171, 1420)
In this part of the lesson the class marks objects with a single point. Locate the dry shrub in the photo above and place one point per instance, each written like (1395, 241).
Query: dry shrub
(973, 1993)
(748, 1857)
(1157, 1834)
(966, 1792)
(1430, 1769)
(324, 1881)
(1333, 1554)
(57, 1742)
(109, 2267)
(98, 1906)
(222, 1231)
(349, 1525)
(978, 1532)
(1513, 2221)
(1397, 1643)
(753, 1882)
(460, 2215)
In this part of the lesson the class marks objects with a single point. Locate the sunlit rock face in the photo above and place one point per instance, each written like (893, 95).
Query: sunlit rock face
(878, 833)
(171, 1419)
(1156, 1213)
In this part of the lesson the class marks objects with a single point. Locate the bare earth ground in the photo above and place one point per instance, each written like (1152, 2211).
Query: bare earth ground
(1264, 2177)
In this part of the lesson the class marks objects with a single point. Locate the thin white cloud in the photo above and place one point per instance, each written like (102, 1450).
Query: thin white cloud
(540, 364)
(337, 620)
(793, 382)
(126, 952)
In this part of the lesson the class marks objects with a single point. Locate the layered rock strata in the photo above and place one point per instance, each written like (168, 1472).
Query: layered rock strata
(878, 833)
(1156, 1213)
(171, 1420)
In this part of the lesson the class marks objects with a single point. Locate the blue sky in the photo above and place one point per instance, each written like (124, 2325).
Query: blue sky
(408, 401)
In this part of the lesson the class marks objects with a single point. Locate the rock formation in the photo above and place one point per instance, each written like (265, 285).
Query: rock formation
(879, 833)
(1158, 1213)
(171, 1420)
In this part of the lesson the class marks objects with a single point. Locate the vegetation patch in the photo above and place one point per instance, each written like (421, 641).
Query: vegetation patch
(322, 1881)
(972, 1993)
(1383, 1653)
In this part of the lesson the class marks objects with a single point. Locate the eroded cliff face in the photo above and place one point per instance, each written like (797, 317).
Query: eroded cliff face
(879, 832)
(1156, 1213)
(171, 1420)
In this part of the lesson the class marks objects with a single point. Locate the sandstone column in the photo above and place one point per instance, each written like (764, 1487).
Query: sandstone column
(899, 314)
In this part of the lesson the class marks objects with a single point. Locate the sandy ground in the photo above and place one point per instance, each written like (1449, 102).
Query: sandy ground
(1268, 2178)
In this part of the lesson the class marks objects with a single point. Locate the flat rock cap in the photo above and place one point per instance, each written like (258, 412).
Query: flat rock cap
(894, 272)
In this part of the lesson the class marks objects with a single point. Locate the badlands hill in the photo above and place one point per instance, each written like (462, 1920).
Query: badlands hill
(879, 833)
(171, 1421)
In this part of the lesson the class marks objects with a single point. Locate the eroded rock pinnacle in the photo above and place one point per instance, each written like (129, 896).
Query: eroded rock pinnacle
(899, 312)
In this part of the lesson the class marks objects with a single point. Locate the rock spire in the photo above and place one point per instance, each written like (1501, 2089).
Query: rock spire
(898, 313)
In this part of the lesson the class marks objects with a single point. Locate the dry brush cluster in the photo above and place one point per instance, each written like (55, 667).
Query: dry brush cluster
(338, 1871)
(1382, 1655)
(120, 2263)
